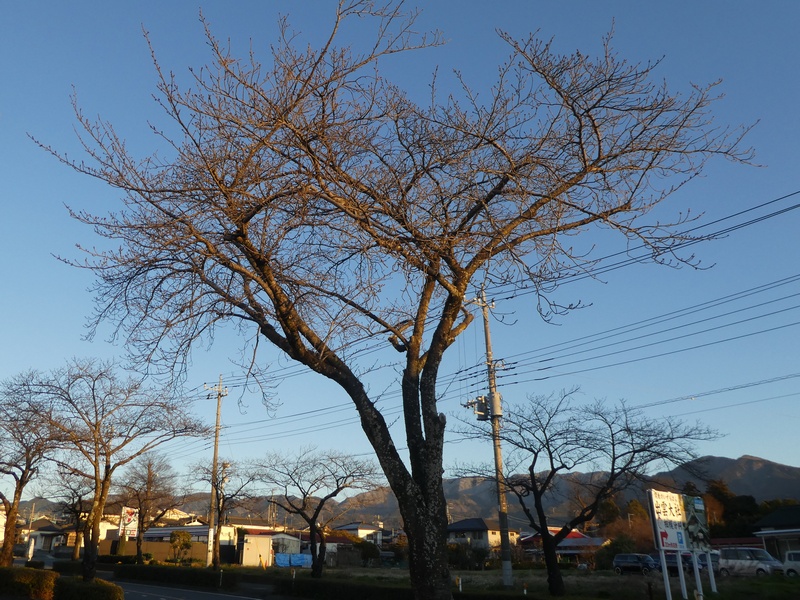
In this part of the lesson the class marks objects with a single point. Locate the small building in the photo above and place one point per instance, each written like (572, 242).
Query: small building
(47, 535)
(780, 531)
(479, 533)
(575, 547)
(364, 531)
(199, 533)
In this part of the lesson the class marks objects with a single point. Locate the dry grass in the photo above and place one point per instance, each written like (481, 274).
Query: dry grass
(600, 584)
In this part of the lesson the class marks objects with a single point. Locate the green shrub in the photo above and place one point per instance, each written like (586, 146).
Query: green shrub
(34, 564)
(75, 588)
(36, 584)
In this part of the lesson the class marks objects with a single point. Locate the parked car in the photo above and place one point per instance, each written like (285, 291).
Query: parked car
(792, 563)
(748, 561)
(671, 559)
(714, 561)
(634, 563)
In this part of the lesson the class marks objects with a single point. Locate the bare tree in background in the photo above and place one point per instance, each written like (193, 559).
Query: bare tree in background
(72, 495)
(234, 489)
(151, 485)
(307, 481)
(25, 444)
(550, 438)
(104, 421)
(315, 205)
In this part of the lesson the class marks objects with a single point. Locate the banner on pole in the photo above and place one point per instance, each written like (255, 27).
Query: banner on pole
(129, 522)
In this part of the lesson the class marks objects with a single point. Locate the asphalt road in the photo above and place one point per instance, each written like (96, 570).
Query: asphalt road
(140, 591)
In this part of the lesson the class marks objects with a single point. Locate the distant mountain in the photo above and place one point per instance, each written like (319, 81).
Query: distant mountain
(476, 497)
(745, 476)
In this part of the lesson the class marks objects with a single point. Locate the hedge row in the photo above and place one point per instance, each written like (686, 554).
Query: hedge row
(335, 589)
(38, 584)
(75, 588)
(196, 577)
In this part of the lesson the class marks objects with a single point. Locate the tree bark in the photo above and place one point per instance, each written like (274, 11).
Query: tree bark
(427, 542)
(90, 544)
(555, 581)
(7, 551)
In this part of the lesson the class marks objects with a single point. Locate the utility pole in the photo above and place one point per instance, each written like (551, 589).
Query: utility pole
(491, 408)
(212, 555)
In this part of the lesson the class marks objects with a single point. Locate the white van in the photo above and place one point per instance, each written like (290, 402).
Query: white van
(748, 561)
(792, 563)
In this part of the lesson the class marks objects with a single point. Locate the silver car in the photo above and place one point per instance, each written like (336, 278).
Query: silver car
(748, 561)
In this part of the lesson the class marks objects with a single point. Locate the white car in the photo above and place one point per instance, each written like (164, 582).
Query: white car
(748, 561)
(792, 563)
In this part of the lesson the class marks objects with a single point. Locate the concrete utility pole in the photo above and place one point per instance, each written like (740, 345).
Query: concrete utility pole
(491, 408)
(212, 555)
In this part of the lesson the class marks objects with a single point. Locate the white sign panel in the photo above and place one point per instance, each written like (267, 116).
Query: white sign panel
(669, 520)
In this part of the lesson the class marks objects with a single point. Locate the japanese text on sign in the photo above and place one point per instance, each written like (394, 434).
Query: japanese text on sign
(669, 520)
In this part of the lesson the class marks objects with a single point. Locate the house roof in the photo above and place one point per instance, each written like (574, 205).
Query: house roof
(785, 517)
(574, 533)
(476, 524)
(357, 526)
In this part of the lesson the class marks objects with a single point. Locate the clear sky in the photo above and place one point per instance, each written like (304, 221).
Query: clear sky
(718, 344)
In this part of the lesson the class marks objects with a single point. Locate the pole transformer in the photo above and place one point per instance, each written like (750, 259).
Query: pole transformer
(212, 555)
(490, 408)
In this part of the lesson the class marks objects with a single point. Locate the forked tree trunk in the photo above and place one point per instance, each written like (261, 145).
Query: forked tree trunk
(91, 540)
(427, 545)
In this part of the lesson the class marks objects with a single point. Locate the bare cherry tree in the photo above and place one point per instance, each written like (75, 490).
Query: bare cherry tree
(104, 420)
(233, 487)
(317, 206)
(25, 444)
(150, 484)
(72, 495)
(304, 484)
(549, 439)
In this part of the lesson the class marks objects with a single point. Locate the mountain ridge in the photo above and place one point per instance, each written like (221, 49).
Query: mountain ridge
(469, 497)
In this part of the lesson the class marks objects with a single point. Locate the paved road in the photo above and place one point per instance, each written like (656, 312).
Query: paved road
(140, 591)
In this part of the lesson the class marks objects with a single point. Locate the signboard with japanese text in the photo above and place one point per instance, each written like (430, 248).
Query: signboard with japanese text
(669, 520)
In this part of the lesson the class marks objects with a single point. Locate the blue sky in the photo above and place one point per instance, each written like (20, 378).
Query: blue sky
(733, 364)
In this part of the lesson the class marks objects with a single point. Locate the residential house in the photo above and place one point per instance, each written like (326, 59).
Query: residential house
(575, 547)
(371, 533)
(47, 535)
(479, 533)
(780, 531)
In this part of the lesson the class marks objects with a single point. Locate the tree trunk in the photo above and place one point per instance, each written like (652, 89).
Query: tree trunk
(91, 541)
(425, 524)
(430, 575)
(555, 582)
(7, 552)
(139, 541)
(215, 563)
(76, 547)
(317, 550)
